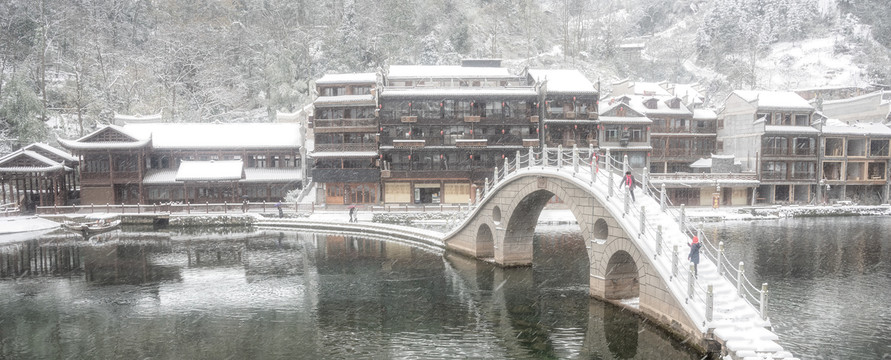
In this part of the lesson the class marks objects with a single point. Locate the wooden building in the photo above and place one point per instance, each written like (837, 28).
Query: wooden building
(570, 115)
(625, 131)
(156, 163)
(854, 162)
(772, 134)
(38, 175)
(345, 156)
(443, 129)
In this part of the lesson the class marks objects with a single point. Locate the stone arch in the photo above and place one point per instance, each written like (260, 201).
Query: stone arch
(621, 277)
(496, 214)
(486, 241)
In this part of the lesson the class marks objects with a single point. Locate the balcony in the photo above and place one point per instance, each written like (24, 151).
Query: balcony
(409, 119)
(530, 142)
(347, 175)
(726, 177)
(682, 152)
(773, 175)
(403, 144)
(471, 142)
(343, 124)
(472, 119)
(684, 130)
(345, 147)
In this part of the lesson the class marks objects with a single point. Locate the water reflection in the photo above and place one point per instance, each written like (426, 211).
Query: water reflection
(830, 281)
(287, 294)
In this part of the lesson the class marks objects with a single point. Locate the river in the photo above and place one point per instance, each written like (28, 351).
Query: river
(286, 294)
(829, 280)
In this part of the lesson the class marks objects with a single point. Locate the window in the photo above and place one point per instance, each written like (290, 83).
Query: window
(801, 120)
(774, 170)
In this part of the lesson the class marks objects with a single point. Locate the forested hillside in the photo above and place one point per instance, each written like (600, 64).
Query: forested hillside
(219, 60)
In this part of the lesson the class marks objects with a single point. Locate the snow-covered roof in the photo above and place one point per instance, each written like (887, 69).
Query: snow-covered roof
(251, 175)
(122, 119)
(219, 136)
(638, 103)
(790, 129)
(219, 170)
(875, 97)
(704, 114)
(55, 154)
(648, 89)
(464, 92)
(447, 72)
(624, 120)
(356, 100)
(46, 164)
(272, 175)
(564, 81)
(134, 141)
(350, 78)
(702, 163)
(835, 127)
(775, 100)
(688, 92)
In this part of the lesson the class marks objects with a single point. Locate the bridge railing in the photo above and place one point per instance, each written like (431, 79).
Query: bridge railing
(715, 252)
(591, 167)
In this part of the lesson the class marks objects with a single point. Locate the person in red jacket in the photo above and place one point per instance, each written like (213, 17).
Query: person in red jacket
(694, 255)
(629, 182)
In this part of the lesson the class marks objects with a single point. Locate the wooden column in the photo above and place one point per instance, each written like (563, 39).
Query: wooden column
(3, 188)
(140, 163)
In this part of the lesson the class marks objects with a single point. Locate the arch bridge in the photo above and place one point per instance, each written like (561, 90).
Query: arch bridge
(637, 250)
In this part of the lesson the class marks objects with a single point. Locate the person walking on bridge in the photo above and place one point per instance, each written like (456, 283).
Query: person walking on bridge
(694, 255)
(629, 182)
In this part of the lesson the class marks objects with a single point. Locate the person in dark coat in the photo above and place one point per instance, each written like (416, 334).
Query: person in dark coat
(694, 255)
(352, 214)
(629, 182)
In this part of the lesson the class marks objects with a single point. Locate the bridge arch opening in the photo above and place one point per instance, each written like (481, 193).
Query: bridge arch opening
(622, 277)
(601, 231)
(496, 214)
(485, 242)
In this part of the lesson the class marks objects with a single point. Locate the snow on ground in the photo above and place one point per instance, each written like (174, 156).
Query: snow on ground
(807, 64)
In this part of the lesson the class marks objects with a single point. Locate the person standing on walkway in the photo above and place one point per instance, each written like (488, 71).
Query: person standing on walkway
(629, 182)
(694, 255)
(352, 213)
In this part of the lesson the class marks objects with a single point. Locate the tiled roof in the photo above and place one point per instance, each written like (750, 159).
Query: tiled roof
(219, 136)
(464, 92)
(220, 170)
(359, 100)
(564, 81)
(775, 99)
(447, 71)
(351, 78)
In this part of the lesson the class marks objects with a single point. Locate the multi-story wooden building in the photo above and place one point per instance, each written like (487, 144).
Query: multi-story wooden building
(441, 129)
(188, 162)
(444, 128)
(854, 162)
(570, 114)
(345, 156)
(771, 133)
(625, 131)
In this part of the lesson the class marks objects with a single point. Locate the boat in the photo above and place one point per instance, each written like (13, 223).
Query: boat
(91, 228)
